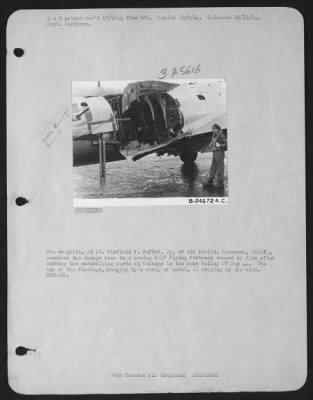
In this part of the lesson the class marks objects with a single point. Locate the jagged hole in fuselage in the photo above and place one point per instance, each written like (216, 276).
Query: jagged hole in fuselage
(149, 120)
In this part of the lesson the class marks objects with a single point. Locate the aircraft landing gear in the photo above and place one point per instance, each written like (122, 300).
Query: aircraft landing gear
(101, 141)
(188, 157)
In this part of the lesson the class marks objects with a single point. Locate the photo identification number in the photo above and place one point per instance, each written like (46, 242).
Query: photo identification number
(208, 200)
(181, 71)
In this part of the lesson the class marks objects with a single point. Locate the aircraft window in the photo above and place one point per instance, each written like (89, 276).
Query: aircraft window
(84, 104)
(200, 97)
(75, 108)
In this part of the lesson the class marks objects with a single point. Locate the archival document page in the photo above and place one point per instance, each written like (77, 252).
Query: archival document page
(156, 200)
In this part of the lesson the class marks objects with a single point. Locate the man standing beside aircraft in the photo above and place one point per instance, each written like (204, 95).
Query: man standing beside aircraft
(219, 146)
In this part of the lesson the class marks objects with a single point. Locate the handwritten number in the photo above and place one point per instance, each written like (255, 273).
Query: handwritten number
(183, 70)
(163, 73)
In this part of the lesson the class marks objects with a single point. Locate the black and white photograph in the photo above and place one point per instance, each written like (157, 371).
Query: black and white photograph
(159, 140)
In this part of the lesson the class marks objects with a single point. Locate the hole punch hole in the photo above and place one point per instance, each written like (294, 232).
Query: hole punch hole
(22, 351)
(18, 52)
(21, 201)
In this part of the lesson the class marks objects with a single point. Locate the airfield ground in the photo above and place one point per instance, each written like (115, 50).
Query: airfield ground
(151, 176)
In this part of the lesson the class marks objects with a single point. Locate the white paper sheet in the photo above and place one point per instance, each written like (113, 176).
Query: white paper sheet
(163, 313)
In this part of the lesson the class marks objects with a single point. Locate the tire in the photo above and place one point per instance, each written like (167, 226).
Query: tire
(188, 157)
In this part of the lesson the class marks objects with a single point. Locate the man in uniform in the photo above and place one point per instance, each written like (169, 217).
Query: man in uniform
(219, 146)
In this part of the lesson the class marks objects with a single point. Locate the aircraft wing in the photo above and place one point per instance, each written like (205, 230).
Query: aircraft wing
(204, 123)
(161, 146)
(134, 90)
(197, 131)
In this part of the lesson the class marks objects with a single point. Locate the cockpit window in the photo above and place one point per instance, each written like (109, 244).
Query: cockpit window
(200, 97)
(84, 104)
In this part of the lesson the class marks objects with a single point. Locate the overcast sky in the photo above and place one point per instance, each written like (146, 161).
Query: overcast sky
(121, 84)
